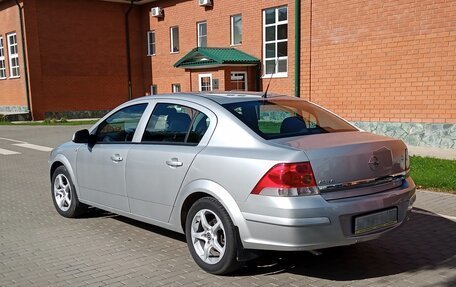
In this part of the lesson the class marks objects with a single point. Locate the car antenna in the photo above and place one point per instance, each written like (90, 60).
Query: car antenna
(265, 95)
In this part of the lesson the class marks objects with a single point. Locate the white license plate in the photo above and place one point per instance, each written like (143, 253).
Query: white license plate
(374, 221)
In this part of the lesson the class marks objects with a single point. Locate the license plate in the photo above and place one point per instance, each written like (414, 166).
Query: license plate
(374, 221)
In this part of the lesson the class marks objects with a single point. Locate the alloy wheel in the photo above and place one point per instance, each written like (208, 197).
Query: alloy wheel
(62, 192)
(208, 236)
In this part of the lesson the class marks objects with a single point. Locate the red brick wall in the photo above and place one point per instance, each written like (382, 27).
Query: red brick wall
(391, 61)
(12, 91)
(78, 55)
(186, 14)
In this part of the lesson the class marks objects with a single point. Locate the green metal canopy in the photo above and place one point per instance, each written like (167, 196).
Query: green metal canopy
(202, 57)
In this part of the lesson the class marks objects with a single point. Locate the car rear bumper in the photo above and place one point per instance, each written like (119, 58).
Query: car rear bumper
(311, 222)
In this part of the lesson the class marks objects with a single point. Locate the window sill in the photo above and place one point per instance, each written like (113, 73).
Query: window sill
(174, 52)
(275, 76)
(150, 55)
(17, 77)
(235, 45)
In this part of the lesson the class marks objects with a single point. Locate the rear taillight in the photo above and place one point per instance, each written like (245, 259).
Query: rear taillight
(287, 179)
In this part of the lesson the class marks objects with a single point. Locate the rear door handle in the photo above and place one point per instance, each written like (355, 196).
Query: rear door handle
(116, 158)
(174, 162)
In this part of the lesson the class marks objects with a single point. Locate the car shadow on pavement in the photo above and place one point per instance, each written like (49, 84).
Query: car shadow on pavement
(426, 241)
(94, 212)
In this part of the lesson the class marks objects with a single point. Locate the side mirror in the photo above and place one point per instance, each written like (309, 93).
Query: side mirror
(81, 136)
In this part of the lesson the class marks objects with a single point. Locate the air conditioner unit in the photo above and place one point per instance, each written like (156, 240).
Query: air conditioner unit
(156, 12)
(205, 2)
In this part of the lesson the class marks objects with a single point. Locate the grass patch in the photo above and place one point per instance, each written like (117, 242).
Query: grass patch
(50, 122)
(435, 174)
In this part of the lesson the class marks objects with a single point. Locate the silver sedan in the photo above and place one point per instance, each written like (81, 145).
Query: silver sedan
(237, 173)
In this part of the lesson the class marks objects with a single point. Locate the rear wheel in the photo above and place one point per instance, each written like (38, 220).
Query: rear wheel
(211, 236)
(64, 195)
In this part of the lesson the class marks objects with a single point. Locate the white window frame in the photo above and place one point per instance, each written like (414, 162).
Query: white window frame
(2, 60)
(204, 76)
(151, 48)
(12, 56)
(171, 34)
(245, 78)
(176, 88)
(198, 32)
(232, 30)
(276, 74)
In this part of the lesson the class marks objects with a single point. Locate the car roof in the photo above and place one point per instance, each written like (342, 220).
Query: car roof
(218, 97)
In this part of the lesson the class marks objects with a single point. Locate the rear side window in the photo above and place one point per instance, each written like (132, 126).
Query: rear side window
(170, 123)
(279, 118)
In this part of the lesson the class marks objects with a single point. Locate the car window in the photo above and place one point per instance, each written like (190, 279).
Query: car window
(286, 118)
(120, 126)
(199, 128)
(170, 123)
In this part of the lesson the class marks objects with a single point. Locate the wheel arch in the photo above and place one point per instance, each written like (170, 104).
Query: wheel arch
(61, 160)
(205, 188)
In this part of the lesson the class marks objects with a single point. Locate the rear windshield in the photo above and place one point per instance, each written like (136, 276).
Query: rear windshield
(280, 118)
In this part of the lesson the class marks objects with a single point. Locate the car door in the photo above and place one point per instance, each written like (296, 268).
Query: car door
(175, 133)
(101, 168)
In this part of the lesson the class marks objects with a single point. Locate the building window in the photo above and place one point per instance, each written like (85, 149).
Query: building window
(176, 88)
(202, 34)
(13, 55)
(2, 60)
(236, 30)
(153, 89)
(239, 81)
(205, 82)
(150, 43)
(174, 39)
(275, 41)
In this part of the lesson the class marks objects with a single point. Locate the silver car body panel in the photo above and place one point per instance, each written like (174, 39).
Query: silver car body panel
(228, 163)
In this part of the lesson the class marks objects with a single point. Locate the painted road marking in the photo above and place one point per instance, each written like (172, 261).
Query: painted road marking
(34, 146)
(8, 152)
(11, 140)
(27, 145)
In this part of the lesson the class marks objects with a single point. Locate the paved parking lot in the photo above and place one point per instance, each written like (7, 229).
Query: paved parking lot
(40, 248)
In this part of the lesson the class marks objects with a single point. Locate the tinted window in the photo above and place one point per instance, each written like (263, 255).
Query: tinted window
(272, 119)
(199, 128)
(120, 126)
(172, 123)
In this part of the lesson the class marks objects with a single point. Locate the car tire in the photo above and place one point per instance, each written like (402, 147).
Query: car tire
(212, 242)
(64, 195)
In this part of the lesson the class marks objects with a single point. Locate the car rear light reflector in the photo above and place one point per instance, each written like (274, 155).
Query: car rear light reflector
(288, 179)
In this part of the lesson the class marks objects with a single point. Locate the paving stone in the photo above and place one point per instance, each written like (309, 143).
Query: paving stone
(40, 248)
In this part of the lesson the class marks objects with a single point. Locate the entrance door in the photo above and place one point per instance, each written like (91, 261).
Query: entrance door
(205, 82)
(239, 81)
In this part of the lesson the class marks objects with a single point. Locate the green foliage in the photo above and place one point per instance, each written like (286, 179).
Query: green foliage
(433, 173)
(3, 120)
(51, 122)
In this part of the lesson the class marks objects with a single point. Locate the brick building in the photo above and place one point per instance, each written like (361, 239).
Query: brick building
(389, 66)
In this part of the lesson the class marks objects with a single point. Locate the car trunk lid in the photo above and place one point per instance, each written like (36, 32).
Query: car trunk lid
(350, 164)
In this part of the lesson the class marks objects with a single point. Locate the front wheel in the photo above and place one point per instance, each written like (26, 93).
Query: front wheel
(211, 236)
(64, 195)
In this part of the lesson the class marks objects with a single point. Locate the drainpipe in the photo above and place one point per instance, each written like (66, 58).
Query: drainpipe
(127, 44)
(310, 53)
(27, 90)
(297, 58)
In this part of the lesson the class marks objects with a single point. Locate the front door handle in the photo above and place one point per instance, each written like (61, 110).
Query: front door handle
(116, 158)
(174, 162)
